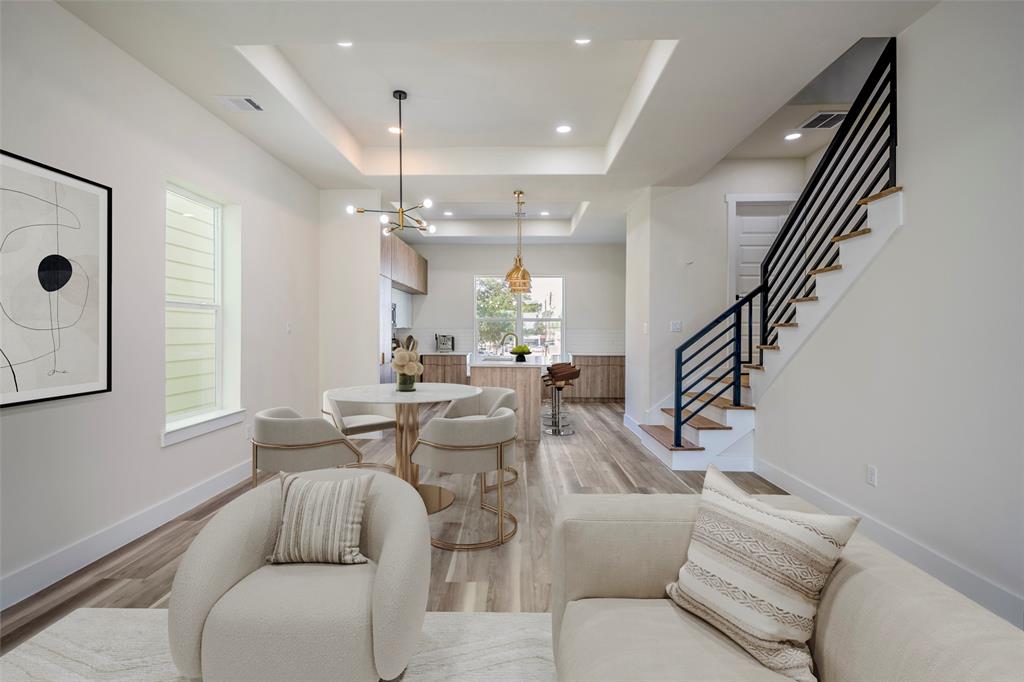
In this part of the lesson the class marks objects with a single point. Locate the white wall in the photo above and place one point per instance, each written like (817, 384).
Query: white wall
(595, 276)
(638, 309)
(688, 264)
(918, 370)
(74, 470)
(349, 294)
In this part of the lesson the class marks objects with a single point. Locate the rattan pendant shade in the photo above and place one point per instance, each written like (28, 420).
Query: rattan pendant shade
(518, 277)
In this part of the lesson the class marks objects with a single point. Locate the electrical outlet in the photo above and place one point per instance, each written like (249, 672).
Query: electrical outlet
(645, 327)
(287, 327)
(872, 475)
(675, 326)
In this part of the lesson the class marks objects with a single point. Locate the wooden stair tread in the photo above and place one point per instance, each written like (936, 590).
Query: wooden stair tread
(821, 271)
(727, 379)
(774, 346)
(851, 235)
(786, 325)
(759, 368)
(720, 402)
(699, 422)
(664, 435)
(804, 299)
(881, 195)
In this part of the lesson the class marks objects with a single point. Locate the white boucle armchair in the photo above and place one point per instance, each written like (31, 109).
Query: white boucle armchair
(233, 616)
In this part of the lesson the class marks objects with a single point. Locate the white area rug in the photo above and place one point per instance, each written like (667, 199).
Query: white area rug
(131, 644)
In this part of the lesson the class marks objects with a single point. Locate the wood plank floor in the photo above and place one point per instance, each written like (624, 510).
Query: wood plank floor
(602, 457)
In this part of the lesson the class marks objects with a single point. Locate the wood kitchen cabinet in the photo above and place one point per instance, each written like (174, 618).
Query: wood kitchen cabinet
(602, 377)
(444, 368)
(408, 268)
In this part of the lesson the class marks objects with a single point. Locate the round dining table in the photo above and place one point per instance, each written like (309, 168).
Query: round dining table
(407, 427)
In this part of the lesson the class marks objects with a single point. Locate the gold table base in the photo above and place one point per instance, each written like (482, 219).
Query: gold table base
(407, 433)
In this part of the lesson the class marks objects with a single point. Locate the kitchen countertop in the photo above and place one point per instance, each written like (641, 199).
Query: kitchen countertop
(529, 364)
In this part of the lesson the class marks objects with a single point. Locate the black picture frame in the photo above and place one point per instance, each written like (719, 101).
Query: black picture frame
(107, 376)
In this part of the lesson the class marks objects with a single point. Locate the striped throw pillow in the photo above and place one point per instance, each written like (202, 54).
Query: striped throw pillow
(321, 521)
(756, 573)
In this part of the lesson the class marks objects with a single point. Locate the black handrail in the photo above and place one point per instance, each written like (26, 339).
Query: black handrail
(858, 162)
(734, 314)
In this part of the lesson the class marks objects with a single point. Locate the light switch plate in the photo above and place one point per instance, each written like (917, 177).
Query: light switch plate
(871, 475)
(675, 326)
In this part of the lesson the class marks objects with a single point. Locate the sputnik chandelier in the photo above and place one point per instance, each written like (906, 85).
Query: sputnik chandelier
(398, 220)
(518, 278)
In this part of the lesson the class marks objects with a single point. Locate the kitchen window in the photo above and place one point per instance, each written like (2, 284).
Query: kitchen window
(536, 318)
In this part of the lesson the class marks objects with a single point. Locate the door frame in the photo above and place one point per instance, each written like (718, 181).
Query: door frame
(731, 201)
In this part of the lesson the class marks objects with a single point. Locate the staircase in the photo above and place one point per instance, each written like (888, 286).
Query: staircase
(842, 220)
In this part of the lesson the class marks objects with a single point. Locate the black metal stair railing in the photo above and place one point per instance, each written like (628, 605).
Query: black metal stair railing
(715, 355)
(859, 162)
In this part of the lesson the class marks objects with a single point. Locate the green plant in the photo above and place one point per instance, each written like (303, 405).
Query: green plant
(521, 349)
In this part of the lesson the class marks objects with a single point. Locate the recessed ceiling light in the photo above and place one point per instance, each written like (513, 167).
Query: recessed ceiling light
(564, 129)
(188, 215)
(582, 41)
(395, 130)
(545, 213)
(345, 43)
(793, 136)
(447, 212)
(431, 228)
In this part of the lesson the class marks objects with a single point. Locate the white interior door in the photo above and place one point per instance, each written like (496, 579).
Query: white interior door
(754, 227)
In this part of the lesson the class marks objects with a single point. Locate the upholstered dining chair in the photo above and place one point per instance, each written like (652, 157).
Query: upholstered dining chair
(354, 418)
(472, 446)
(485, 404)
(284, 440)
(233, 616)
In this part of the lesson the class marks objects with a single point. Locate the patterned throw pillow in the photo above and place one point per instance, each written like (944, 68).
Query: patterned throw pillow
(756, 573)
(321, 521)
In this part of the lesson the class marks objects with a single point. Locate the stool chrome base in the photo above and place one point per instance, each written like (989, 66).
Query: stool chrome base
(560, 431)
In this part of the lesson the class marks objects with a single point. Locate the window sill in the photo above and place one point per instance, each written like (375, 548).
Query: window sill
(192, 427)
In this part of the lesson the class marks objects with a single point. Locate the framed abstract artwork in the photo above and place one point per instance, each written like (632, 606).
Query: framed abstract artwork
(55, 253)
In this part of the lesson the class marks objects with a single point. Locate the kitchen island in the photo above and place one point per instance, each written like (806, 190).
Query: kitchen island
(524, 378)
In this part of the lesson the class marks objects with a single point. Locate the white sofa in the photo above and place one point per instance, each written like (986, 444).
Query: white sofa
(880, 618)
(233, 616)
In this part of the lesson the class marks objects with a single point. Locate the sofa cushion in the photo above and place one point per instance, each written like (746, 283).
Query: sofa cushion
(648, 639)
(293, 622)
(756, 572)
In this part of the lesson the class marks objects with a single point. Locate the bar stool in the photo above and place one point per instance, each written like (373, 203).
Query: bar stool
(558, 377)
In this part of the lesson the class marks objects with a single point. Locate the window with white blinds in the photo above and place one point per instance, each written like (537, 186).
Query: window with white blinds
(192, 310)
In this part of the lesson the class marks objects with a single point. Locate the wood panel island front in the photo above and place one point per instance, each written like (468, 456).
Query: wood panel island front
(524, 378)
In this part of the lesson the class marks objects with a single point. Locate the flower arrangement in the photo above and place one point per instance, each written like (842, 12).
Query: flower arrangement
(406, 363)
(521, 351)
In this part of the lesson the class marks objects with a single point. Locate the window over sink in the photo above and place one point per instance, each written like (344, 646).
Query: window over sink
(535, 318)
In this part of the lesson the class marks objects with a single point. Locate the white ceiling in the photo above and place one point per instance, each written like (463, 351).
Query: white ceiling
(769, 140)
(474, 94)
(664, 91)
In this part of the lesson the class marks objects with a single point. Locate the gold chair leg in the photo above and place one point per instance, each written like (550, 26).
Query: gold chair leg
(502, 537)
(508, 481)
(254, 465)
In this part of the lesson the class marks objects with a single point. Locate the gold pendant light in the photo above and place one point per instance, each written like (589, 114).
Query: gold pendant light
(518, 278)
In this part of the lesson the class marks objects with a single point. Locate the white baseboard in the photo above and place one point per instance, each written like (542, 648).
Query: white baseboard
(995, 598)
(26, 581)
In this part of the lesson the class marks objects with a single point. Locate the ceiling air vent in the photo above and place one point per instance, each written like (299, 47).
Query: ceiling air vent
(239, 103)
(823, 120)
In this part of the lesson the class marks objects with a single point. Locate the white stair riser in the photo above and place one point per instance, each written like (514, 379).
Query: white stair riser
(885, 216)
(713, 387)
